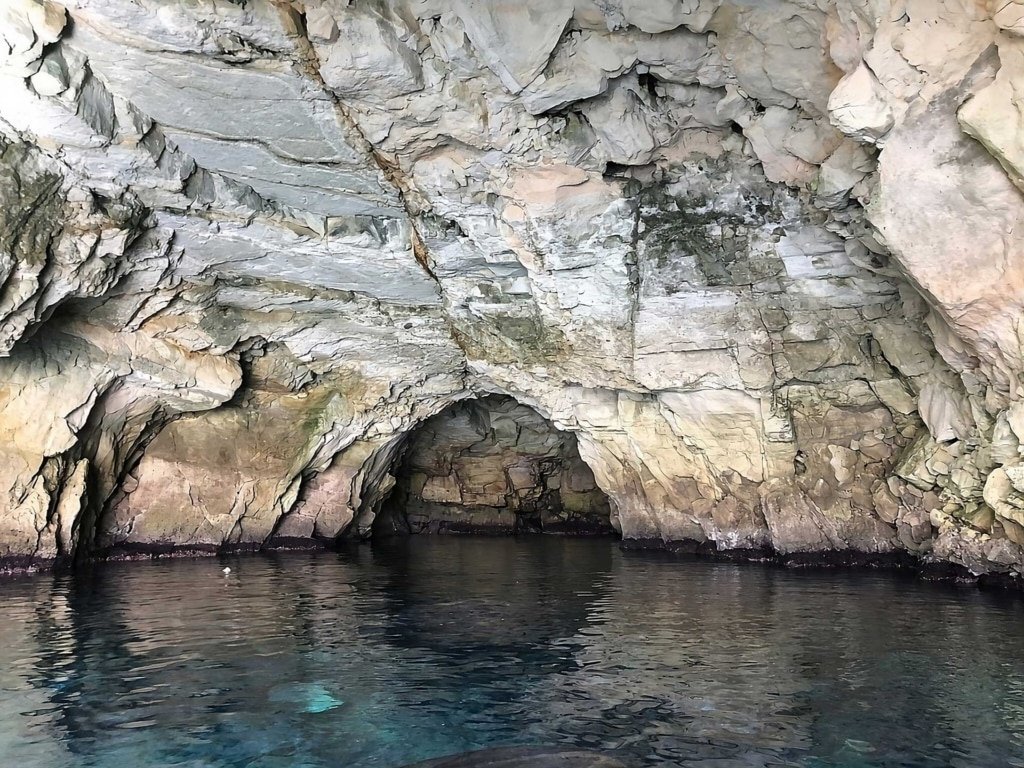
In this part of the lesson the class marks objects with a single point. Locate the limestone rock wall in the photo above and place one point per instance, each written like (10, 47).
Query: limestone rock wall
(763, 260)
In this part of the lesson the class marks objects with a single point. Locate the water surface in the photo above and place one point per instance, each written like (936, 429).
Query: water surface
(387, 655)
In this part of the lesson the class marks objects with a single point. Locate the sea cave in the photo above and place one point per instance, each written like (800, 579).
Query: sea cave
(491, 384)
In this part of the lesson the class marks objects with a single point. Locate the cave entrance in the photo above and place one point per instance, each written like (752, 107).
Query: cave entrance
(493, 465)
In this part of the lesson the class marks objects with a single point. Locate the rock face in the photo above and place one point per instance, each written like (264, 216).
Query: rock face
(764, 262)
(494, 466)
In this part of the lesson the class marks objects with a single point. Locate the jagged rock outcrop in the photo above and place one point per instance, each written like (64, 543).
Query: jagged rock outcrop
(764, 261)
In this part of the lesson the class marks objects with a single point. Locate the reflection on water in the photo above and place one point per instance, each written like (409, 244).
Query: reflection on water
(426, 647)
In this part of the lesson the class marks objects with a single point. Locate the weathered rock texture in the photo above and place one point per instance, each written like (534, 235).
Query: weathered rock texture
(494, 466)
(765, 261)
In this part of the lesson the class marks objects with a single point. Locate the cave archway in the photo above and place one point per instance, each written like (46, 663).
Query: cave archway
(493, 465)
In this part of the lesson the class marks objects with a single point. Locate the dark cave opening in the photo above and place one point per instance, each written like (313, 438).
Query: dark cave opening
(493, 465)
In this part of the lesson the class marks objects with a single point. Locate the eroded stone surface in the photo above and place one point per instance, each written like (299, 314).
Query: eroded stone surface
(762, 260)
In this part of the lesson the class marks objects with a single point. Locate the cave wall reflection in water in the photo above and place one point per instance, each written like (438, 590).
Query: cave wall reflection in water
(428, 646)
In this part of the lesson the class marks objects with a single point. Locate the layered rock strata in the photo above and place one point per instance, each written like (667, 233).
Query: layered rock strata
(763, 261)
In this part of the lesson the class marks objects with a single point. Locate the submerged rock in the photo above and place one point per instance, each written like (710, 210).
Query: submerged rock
(523, 757)
(311, 698)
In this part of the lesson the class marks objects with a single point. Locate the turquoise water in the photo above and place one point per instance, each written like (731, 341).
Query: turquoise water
(386, 655)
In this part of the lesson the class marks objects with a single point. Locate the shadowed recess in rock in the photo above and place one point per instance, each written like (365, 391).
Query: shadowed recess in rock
(493, 465)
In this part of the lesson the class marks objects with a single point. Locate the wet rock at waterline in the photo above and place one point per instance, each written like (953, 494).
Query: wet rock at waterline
(762, 262)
